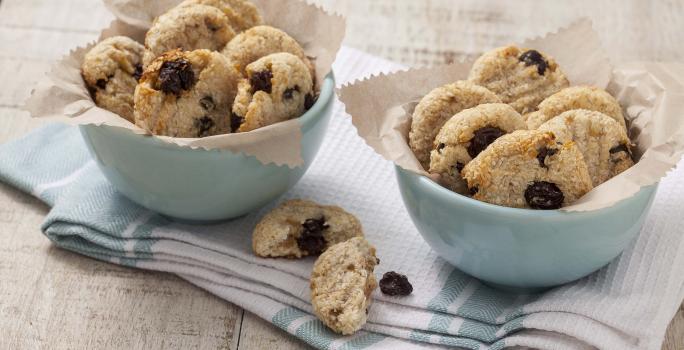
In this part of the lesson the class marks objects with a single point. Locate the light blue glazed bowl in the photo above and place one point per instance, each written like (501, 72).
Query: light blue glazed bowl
(520, 250)
(195, 184)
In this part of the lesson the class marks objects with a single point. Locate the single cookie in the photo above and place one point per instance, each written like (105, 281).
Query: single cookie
(603, 141)
(435, 108)
(520, 77)
(341, 285)
(299, 228)
(576, 97)
(278, 87)
(528, 169)
(261, 41)
(186, 94)
(465, 135)
(189, 27)
(241, 14)
(111, 70)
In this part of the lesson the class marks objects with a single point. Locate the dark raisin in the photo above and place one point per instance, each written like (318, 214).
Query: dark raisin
(393, 283)
(235, 122)
(544, 195)
(176, 76)
(137, 74)
(623, 147)
(473, 190)
(440, 147)
(311, 240)
(289, 93)
(207, 103)
(533, 57)
(543, 153)
(261, 81)
(101, 83)
(203, 125)
(482, 138)
(459, 167)
(212, 26)
(309, 101)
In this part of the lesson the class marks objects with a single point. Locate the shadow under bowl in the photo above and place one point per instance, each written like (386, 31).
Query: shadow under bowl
(520, 250)
(199, 185)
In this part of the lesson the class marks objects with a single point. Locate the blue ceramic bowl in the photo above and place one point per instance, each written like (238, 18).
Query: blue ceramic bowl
(520, 249)
(196, 184)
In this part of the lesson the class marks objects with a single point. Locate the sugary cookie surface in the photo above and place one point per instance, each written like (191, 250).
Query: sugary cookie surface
(241, 14)
(298, 228)
(465, 135)
(435, 108)
(341, 285)
(261, 41)
(111, 70)
(278, 87)
(186, 94)
(189, 27)
(576, 97)
(520, 77)
(604, 144)
(528, 169)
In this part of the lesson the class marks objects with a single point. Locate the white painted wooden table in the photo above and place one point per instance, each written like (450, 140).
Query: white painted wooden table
(50, 298)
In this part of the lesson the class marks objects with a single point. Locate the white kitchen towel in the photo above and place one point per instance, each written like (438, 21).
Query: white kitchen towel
(626, 305)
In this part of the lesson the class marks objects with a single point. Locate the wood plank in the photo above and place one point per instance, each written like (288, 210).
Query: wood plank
(256, 333)
(74, 15)
(40, 45)
(428, 32)
(57, 299)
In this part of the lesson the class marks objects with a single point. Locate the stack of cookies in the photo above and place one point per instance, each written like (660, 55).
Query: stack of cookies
(207, 67)
(517, 134)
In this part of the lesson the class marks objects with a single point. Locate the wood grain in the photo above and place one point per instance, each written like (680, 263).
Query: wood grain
(56, 299)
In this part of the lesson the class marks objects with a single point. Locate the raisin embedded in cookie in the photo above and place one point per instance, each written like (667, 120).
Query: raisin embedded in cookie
(186, 94)
(299, 228)
(189, 27)
(241, 14)
(465, 135)
(341, 285)
(602, 140)
(528, 169)
(520, 77)
(111, 70)
(261, 41)
(435, 108)
(576, 97)
(278, 87)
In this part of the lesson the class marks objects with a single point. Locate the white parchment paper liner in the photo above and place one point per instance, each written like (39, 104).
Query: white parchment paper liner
(651, 93)
(63, 94)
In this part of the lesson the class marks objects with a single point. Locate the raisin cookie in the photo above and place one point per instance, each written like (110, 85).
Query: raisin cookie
(299, 228)
(603, 141)
(528, 169)
(261, 41)
(241, 14)
(435, 108)
(186, 94)
(188, 27)
(467, 134)
(576, 97)
(111, 70)
(278, 87)
(341, 285)
(520, 77)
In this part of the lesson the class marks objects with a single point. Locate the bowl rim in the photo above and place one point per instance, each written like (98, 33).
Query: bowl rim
(436, 190)
(325, 96)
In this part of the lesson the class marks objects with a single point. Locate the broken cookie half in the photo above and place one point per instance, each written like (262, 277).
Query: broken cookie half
(300, 228)
(341, 285)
